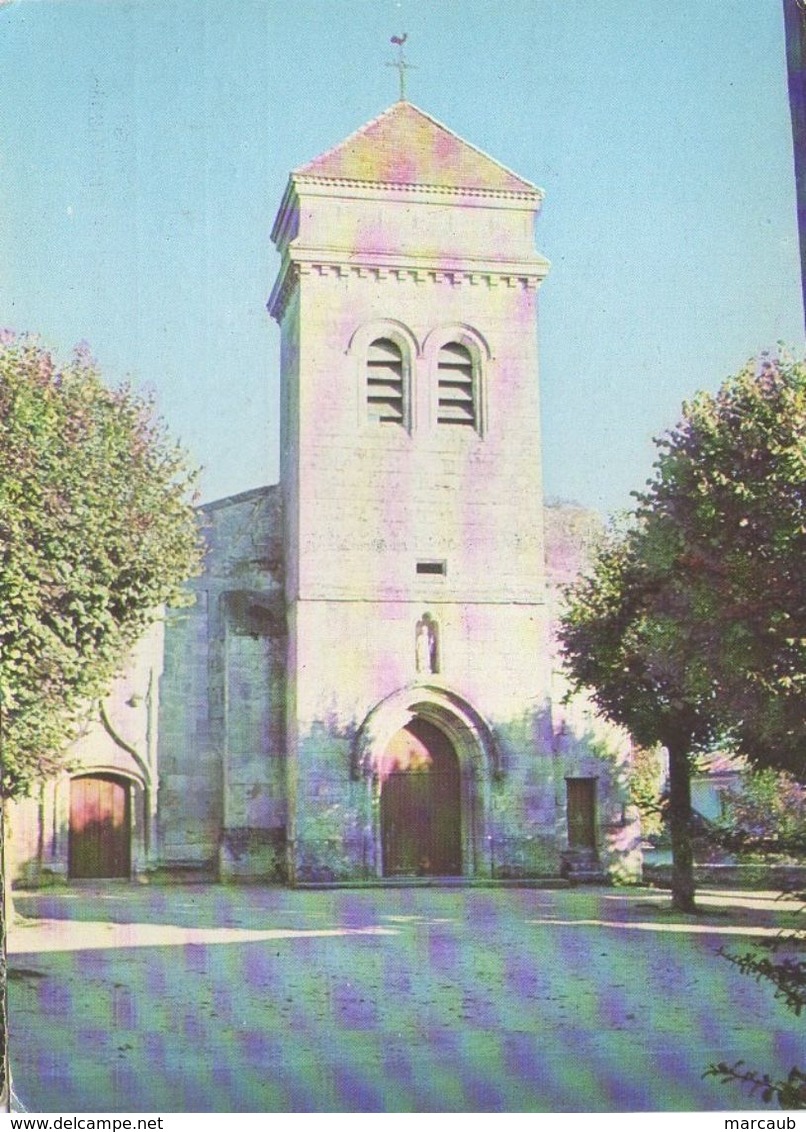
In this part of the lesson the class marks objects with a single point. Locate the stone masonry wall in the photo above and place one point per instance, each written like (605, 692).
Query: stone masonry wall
(222, 789)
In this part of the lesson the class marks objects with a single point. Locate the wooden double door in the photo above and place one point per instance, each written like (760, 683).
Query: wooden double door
(100, 827)
(421, 820)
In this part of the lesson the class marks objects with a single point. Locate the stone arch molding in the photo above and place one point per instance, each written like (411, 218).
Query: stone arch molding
(108, 770)
(467, 730)
(475, 748)
(456, 332)
(391, 328)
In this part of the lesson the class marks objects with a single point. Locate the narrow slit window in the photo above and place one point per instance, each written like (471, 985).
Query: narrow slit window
(386, 402)
(455, 386)
(431, 567)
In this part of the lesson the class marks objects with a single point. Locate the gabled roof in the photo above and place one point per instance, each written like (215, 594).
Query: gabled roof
(406, 146)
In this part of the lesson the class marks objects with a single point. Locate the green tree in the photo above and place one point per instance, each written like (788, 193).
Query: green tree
(620, 641)
(645, 789)
(97, 531)
(728, 506)
(691, 627)
(767, 813)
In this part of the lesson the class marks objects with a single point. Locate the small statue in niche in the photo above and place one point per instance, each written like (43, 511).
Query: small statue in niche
(426, 650)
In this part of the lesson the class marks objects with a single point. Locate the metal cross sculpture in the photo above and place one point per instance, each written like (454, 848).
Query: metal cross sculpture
(401, 65)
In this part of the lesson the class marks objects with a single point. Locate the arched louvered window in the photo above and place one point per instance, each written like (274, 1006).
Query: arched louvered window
(386, 393)
(456, 388)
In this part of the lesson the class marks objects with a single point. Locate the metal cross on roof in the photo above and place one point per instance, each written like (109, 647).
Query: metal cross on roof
(400, 64)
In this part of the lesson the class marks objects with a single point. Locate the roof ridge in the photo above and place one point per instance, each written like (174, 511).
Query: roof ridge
(350, 137)
(477, 149)
(489, 173)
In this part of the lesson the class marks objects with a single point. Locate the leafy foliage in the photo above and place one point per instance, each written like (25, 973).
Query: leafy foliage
(623, 642)
(767, 813)
(789, 1092)
(691, 627)
(645, 789)
(625, 647)
(698, 615)
(97, 531)
(727, 513)
(788, 976)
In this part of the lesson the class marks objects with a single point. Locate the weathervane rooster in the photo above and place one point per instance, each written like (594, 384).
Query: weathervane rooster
(401, 64)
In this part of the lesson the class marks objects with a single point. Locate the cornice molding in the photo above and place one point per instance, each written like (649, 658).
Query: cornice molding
(526, 274)
(324, 186)
(281, 292)
(286, 221)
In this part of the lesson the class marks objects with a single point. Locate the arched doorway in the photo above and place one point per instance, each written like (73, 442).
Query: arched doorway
(420, 803)
(100, 827)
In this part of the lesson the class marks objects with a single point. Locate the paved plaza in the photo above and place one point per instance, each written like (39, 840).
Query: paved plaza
(130, 998)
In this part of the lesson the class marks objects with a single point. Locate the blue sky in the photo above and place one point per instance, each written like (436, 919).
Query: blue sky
(145, 145)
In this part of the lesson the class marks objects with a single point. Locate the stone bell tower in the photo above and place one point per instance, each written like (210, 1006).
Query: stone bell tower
(416, 726)
(362, 688)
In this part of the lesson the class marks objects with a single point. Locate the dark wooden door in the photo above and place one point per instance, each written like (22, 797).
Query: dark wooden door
(421, 804)
(581, 794)
(100, 827)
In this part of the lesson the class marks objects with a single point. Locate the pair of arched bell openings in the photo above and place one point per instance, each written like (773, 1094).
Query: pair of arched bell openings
(452, 361)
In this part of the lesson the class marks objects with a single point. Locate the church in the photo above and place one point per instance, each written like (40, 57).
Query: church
(366, 687)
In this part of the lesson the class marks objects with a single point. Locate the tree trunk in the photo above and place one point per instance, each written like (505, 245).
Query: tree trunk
(7, 864)
(680, 827)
